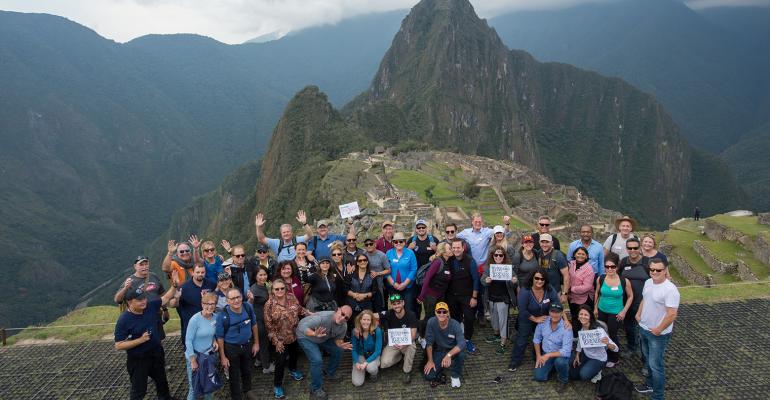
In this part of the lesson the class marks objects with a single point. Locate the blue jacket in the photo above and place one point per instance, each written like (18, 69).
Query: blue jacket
(406, 266)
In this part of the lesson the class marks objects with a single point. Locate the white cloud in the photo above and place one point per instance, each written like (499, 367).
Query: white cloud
(234, 21)
(701, 4)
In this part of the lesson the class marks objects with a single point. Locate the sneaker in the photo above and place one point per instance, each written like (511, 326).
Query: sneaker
(319, 394)
(335, 377)
(643, 388)
(407, 378)
(439, 380)
(423, 343)
(470, 347)
(278, 391)
(512, 368)
(269, 370)
(597, 377)
(492, 339)
(501, 349)
(455, 382)
(610, 364)
(296, 375)
(561, 386)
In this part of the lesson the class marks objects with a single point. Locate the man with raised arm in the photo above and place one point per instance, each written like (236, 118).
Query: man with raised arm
(283, 247)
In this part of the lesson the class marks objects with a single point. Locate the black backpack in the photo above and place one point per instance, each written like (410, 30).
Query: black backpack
(616, 386)
(419, 276)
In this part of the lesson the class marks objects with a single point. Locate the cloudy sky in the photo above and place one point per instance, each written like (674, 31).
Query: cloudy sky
(234, 21)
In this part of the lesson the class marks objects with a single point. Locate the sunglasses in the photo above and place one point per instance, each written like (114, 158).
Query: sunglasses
(346, 317)
(261, 251)
(336, 254)
(367, 244)
(539, 279)
(450, 231)
(422, 227)
(184, 251)
(632, 248)
(395, 298)
(656, 270)
(351, 240)
(399, 241)
(362, 261)
(239, 255)
(545, 224)
(278, 289)
(235, 298)
(209, 250)
(499, 255)
(610, 266)
(442, 312)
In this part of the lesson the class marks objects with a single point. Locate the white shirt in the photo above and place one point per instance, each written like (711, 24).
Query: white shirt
(598, 353)
(619, 247)
(656, 299)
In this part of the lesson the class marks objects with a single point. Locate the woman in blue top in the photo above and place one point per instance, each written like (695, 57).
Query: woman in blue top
(403, 267)
(534, 300)
(200, 339)
(211, 260)
(367, 347)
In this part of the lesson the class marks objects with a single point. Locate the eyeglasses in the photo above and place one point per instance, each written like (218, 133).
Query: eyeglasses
(345, 316)
(279, 288)
(209, 250)
(399, 241)
(367, 244)
(209, 304)
(450, 232)
(538, 279)
(442, 312)
(261, 252)
(498, 255)
(239, 255)
(336, 254)
(656, 270)
(542, 224)
(363, 260)
(633, 248)
(235, 298)
(351, 240)
(610, 266)
(184, 251)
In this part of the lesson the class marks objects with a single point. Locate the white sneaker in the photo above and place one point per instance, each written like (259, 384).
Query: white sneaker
(455, 382)
(597, 378)
(423, 343)
(269, 370)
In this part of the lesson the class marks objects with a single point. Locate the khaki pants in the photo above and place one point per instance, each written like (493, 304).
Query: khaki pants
(359, 376)
(391, 356)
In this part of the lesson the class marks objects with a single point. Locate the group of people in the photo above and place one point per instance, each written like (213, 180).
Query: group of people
(395, 296)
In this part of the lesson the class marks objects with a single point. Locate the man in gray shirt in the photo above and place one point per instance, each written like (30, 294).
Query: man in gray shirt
(445, 347)
(379, 267)
(324, 331)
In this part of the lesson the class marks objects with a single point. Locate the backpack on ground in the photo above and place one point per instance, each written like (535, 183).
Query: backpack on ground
(615, 386)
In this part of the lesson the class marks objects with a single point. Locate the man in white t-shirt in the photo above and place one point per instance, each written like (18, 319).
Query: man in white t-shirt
(656, 316)
(616, 242)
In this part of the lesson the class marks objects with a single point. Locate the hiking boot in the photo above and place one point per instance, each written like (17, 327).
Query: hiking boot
(482, 322)
(597, 377)
(318, 394)
(439, 380)
(492, 339)
(407, 378)
(296, 375)
(643, 388)
(470, 347)
(269, 370)
(278, 391)
(335, 377)
(512, 368)
(455, 382)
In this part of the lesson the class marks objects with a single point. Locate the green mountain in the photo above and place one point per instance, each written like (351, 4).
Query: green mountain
(749, 159)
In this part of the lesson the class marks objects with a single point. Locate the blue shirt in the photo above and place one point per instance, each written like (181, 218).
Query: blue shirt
(371, 344)
(131, 326)
(239, 330)
(529, 306)
(190, 299)
(287, 252)
(320, 247)
(200, 334)
(479, 243)
(551, 340)
(595, 255)
(444, 339)
(402, 268)
(213, 269)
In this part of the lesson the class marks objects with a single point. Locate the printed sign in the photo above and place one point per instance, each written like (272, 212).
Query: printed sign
(400, 336)
(349, 210)
(591, 338)
(501, 272)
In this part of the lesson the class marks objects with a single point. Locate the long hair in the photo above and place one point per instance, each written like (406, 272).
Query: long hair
(531, 277)
(592, 322)
(491, 258)
(279, 267)
(372, 327)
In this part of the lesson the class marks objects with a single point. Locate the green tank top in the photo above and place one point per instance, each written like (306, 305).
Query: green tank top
(611, 299)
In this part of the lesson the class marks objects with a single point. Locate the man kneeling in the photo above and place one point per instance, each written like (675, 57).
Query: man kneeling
(399, 317)
(445, 347)
(553, 347)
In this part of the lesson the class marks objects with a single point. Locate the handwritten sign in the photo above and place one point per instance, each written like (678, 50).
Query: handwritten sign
(349, 210)
(501, 272)
(591, 338)
(400, 337)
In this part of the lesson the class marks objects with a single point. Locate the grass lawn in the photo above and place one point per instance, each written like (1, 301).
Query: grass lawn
(682, 242)
(690, 225)
(730, 252)
(85, 316)
(696, 294)
(747, 225)
(417, 181)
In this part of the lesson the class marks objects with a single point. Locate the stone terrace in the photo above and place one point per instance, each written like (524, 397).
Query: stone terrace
(708, 358)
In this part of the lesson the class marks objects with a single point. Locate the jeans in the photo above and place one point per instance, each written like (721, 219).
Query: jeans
(632, 329)
(239, 356)
(289, 355)
(461, 311)
(587, 369)
(315, 356)
(613, 325)
(151, 363)
(653, 348)
(562, 369)
(191, 393)
(525, 331)
(264, 344)
(456, 368)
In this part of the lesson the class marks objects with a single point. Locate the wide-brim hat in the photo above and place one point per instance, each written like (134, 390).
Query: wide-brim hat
(399, 236)
(625, 218)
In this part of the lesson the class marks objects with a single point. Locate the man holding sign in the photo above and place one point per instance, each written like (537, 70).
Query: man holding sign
(401, 325)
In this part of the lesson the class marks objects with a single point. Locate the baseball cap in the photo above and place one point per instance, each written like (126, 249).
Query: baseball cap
(442, 306)
(325, 259)
(136, 294)
(546, 238)
(139, 259)
(420, 222)
(223, 276)
(498, 229)
(556, 307)
(527, 238)
(321, 223)
(386, 223)
(263, 247)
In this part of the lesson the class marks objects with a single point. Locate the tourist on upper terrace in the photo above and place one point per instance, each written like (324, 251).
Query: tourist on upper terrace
(188, 302)
(553, 347)
(611, 308)
(136, 332)
(282, 313)
(656, 316)
(385, 241)
(581, 285)
(260, 291)
(242, 274)
(180, 258)
(595, 249)
(320, 244)
(321, 332)
(500, 239)
(534, 301)
(437, 279)
(143, 279)
(403, 267)
(462, 294)
(283, 248)
(366, 342)
(589, 361)
(200, 341)
(211, 260)
(543, 227)
(635, 269)
(616, 242)
(555, 262)
(525, 261)
(379, 267)
(351, 249)
(445, 347)
(323, 287)
(650, 249)
(238, 341)
(288, 272)
(502, 295)
(398, 317)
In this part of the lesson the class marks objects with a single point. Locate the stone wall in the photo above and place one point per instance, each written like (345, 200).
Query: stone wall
(744, 272)
(717, 231)
(684, 268)
(761, 249)
(763, 218)
(716, 264)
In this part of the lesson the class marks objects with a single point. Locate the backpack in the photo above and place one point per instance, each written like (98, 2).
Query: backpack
(206, 378)
(430, 239)
(616, 386)
(226, 317)
(281, 245)
(615, 238)
(419, 277)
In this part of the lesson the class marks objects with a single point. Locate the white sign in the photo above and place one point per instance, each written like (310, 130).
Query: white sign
(591, 338)
(400, 337)
(501, 272)
(349, 210)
